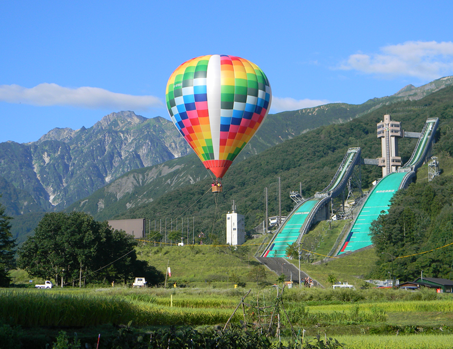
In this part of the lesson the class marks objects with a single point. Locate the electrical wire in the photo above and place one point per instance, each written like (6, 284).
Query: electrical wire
(417, 254)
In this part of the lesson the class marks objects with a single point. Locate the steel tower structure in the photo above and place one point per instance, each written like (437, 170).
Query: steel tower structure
(389, 131)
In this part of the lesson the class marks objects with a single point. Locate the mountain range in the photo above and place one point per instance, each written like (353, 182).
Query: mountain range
(66, 165)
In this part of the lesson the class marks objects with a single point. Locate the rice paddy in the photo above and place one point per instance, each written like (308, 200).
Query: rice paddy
(357, 318)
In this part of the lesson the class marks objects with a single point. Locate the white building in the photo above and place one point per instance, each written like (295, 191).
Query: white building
(235, 228)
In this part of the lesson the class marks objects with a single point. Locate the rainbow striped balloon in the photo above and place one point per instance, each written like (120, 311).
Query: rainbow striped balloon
(218, 102)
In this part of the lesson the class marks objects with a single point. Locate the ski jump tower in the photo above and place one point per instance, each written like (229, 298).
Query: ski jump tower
(389, 131)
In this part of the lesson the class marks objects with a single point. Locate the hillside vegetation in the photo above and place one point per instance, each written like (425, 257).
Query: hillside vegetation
(419, 220)
(105, 152)
(141, 186)
(311, 158)
(208, 265)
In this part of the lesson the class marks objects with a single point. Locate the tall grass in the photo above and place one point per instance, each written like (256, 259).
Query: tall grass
(34, 308)
(29, 308)
(352, 296)
(409, 306)
(397, 342)
(354, 315)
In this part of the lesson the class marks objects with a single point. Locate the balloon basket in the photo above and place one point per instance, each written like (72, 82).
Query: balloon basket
(217, 189)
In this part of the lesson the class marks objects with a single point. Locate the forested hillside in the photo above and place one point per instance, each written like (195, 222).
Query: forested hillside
(311, 158)
(313, 164)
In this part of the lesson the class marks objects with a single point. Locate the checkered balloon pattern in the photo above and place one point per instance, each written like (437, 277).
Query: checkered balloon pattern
(218, 102)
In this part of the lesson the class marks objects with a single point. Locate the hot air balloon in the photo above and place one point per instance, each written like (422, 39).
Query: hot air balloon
(218, 102)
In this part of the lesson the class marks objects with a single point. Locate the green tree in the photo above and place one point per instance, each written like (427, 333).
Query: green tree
(75, 247)
(154, 235)
(257, 273)
(281, 278)
(7, 248)
(293, 250)
(332, 279)
(174, 236)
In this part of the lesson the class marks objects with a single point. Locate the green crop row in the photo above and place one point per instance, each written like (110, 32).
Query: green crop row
(408, 306)
(34, 308)
(29, 308)
(370, 295)
(397, 342)
(191, 302)
(301, 315)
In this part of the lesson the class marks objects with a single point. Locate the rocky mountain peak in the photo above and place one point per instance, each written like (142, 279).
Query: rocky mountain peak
(59, 134)
(410, 92)
(119, 120)
(406, 88)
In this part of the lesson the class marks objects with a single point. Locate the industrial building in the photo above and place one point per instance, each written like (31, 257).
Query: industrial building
(134, 227)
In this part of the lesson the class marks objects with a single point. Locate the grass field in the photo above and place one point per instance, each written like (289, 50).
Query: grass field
(359, 318)
(397, 342)
(351, 269)
(322, 237)
(205, 265)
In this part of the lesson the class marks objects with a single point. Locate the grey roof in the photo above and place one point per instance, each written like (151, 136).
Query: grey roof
(443, 282)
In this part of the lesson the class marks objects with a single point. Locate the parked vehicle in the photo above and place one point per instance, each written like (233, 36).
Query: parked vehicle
(139, 282)
(343, 285)
(47, 284)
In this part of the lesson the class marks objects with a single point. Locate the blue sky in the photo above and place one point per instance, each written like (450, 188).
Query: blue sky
(67, 64)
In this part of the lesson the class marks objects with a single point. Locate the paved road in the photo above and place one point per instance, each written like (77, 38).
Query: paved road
(282, 266)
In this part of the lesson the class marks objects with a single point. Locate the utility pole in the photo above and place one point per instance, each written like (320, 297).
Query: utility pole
(193, 230)
(165, 237)
(299, 253)
(267, 213)
(160, 231)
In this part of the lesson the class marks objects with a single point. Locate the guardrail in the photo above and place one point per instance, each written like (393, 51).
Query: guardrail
(342, 170)
(427, 134)
(260, 246)
(307, 223)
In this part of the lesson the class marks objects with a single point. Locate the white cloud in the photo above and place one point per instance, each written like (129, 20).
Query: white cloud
(424, 60)
(82, 97)
(285, 104)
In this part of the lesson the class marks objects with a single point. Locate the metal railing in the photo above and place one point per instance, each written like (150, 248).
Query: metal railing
(427, 134)
(307, 223)
(342, 167)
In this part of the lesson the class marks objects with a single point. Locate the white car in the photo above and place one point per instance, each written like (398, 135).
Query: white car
(139, 282)
(344, 285)
(47, 284)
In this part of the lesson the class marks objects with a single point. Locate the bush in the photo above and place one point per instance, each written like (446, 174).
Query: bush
(9, 337)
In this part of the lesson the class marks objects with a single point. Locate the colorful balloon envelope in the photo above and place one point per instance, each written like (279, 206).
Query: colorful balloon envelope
(218, 102)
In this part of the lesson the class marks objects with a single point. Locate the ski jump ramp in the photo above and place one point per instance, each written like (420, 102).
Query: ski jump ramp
(378, 200)
(316, 208)
(313, 209)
